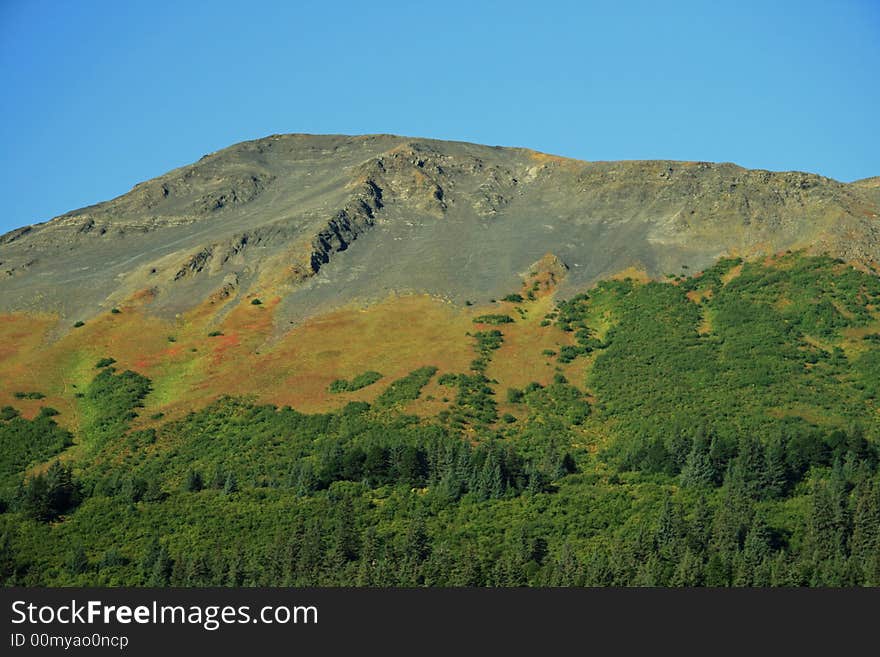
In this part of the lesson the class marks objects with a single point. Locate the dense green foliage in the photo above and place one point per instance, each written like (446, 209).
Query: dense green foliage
(406, 389)
(360, 381)
(487, 342)
(474, 405)
(24, 443)
(28, 395)
(493, 319)
(109, 402)
(733, 440)
(45, 497)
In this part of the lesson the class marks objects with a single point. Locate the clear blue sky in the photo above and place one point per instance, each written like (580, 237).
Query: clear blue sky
(97, 96)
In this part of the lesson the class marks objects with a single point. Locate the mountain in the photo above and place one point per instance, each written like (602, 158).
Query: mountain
(383, 361)
(324, 220)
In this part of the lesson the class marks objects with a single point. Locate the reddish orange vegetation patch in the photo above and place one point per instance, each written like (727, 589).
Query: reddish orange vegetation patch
(26, 365)
(189, 368)
(140, 298)
(543, 277)
(135, 340)
(21, 334)
(210, 306)
(222, 346)
(393, 337)
(253, 319)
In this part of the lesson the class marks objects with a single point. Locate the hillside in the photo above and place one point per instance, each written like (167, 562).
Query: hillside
(384, 361)
(324, 220)
(719, 429)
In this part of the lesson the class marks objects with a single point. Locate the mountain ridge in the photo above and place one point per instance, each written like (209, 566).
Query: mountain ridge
(405, 340)
(282, 214)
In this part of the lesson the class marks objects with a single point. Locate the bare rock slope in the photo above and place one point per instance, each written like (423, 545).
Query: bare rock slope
(322, 220)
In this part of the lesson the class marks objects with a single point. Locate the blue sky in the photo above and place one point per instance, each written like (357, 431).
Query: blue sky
(98, 96)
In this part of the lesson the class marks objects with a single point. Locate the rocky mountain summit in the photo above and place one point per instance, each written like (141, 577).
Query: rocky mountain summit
(322, 220)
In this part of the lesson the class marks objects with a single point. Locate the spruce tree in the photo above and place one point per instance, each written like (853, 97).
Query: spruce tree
(757, 550)
(235, 569)
(698, 470)
(822, 539)
(194, 481)
(750, 468)
(567, 569)
(77, 561)
(865, 542)
(162, 569)
(344, 543)
(34, 499)
(417, 544)
(62, 491)
(700, 527)
(148, 560)
(7, 559)
(670, 531)
(689, 570)
(776, 471)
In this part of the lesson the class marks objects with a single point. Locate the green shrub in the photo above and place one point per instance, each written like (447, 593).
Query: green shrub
(493, 319)
(360, 381)
(406, 389)
(110, 402)
(29, 395)
(28, 442)
(8, 412)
